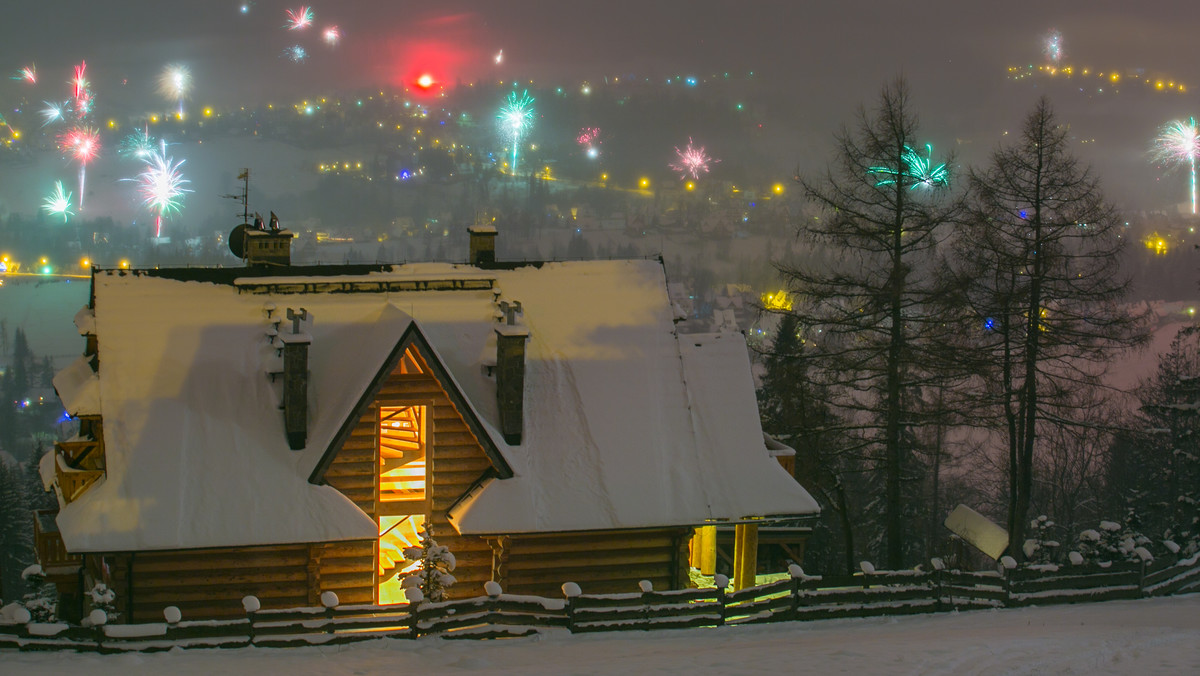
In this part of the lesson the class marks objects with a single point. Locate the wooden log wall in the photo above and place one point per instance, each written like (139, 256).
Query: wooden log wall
(210, 583)
(599, 562)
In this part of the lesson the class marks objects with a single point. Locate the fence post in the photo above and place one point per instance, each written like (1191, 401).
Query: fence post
(938, 572)
(646, 586)
(868, 569)
(251, 605)
(1009, 565)
(570, 590)
(98, 618)
(330, 600)
(414, 596)
(796, 573)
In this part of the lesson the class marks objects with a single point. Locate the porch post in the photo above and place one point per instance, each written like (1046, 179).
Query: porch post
(745, 555)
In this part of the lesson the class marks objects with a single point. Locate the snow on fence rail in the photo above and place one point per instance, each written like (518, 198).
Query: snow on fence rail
(495, 615)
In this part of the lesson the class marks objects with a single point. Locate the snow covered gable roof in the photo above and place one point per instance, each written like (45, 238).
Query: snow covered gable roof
(197, 456)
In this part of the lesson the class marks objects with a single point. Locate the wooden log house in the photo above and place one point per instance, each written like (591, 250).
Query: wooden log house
(282, 431)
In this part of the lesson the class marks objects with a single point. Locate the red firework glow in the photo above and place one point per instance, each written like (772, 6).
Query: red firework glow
(443, 47)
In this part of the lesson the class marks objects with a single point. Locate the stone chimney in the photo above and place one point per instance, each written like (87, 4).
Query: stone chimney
(295, 381)
(510, 373)
(482, 246)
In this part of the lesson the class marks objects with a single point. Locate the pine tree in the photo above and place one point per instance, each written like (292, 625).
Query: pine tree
(1154, 471)
(794, 410)
(433, 576)
(16, 530)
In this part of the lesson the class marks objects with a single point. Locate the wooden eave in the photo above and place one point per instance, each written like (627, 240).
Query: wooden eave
(413, 337)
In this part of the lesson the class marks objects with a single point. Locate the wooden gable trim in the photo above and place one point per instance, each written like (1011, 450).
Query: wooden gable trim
(412, 337)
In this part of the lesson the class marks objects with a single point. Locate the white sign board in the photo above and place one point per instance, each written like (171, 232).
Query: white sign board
(978, 531)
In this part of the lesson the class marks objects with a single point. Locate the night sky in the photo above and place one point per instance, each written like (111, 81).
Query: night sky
(818, 60)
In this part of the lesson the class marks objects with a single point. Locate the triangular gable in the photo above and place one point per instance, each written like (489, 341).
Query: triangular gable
(412, 337)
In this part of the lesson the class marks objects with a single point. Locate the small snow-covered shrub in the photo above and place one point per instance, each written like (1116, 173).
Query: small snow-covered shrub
(1111, 543)
(42, 599)
(1041, 548)
(103, 598)
(433, 576)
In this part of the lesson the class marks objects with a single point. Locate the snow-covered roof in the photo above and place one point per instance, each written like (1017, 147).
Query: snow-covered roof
(85, 321)
(78, 387)
(625, 425)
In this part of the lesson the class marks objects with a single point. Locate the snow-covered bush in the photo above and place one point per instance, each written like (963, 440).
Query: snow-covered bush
(1040, 548)
(42, 599)
(433, 576)
(1109, 543)
(105, 599)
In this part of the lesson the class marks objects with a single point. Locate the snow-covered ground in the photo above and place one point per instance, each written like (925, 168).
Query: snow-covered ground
(1159, 636)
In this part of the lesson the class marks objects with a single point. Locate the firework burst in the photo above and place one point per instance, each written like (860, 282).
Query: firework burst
(1177, 144)
(692, 162)
(139, 145)
(588, 136)
(53, 112)
(174, 83)
(515, 120)
(28, 74)
(299, 19)
(82, 144)
(58, 203)
(1053, 46)
(917, 171)
(332, 36)
(295, 54)
(161, 186)
(82, 99)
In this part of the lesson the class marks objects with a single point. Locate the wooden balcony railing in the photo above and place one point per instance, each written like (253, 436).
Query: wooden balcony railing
(51, 553)
(73, 482)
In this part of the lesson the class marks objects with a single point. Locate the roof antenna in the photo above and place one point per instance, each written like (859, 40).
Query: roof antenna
(244, 177)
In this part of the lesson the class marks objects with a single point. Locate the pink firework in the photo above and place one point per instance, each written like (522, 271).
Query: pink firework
(299, 19)
(692, 161)
(82, 143)
(588, 136)
(332, 35)
(28, 74)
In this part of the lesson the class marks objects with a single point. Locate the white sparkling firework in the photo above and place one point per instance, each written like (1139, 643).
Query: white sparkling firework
(58, 203)
(693, 161)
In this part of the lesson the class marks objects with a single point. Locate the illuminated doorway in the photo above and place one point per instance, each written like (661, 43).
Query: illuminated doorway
(403, 431)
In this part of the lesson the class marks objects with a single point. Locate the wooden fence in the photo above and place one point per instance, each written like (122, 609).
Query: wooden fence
(799, 597)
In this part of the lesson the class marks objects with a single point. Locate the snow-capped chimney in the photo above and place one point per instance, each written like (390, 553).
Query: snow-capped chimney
(482, 245)
(295, 381)
(510, 372)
